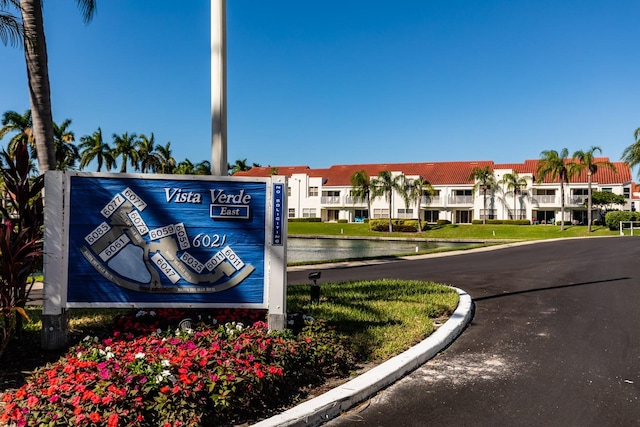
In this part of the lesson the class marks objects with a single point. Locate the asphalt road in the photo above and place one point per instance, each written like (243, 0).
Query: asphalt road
(555, 340)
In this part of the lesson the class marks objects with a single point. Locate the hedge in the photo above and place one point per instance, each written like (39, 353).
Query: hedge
(613, 218)
(503, 221)
(305, 219)
(399, 225)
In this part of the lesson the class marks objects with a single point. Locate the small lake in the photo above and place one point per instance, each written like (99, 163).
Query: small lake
(303, 250)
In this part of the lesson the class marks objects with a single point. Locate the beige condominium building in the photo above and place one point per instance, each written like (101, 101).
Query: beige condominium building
(327, 193)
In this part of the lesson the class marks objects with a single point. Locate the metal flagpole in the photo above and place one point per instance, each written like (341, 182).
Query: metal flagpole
(218, 87)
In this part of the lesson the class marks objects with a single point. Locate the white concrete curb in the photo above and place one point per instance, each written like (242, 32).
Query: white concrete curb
(332, 403)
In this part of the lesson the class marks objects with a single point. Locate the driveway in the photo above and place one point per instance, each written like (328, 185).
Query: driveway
(555, 340)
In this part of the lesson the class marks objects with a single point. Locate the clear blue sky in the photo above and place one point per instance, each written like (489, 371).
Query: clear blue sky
(322, 82)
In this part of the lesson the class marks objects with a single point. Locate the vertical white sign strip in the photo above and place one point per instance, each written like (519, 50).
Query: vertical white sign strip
(276, 261)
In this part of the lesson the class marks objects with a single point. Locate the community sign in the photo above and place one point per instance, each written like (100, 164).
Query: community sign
(133, 240)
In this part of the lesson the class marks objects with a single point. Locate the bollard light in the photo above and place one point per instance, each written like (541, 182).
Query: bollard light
(315, 289)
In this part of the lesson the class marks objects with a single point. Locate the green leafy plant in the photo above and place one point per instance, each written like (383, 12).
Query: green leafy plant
(20, 238)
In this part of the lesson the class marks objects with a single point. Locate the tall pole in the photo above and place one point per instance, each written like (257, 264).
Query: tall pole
(218, 87)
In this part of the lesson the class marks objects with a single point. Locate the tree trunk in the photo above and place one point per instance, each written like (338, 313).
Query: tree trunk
(35, 53)
(561, 206)
(589, 203)
(390, 225)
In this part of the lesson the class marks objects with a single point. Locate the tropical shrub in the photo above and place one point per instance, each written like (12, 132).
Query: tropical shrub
(305, 219)
(443, 222)
(399, 225)
(613, 218)
(208, 375)
(20, 239)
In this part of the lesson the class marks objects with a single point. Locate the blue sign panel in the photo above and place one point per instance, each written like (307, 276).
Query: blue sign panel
(166, 241)
(278, 195)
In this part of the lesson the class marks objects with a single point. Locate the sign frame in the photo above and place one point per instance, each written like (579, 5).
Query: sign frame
(61, 242)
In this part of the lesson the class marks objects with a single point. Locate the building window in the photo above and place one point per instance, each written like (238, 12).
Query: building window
(381, 213)
(289, 191)
(309, 213)
(488, 213)
(580, 191)
(626, 192)
(431, 216)
(405, 213)
(292, 213)
(313, 192)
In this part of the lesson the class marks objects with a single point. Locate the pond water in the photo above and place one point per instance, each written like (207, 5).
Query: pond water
(302, 250)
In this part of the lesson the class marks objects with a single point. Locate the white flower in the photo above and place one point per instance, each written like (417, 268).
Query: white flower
(165, 362)
(152, 313)
(110, 355)
(141, 313)
(139, 355)
(79, 355)
(159, 379)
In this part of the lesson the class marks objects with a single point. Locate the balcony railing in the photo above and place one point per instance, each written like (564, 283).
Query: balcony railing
(577, 200)
(330, 200)
(433, 200)
(545, 199)
(460, 200)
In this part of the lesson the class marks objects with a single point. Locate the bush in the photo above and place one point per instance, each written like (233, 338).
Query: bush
(443, 222)
(305, 219)
(342, 221)
(613, 218)
(398, 225)
(189, 377)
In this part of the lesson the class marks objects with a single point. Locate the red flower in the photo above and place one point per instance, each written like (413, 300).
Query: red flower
(165, 389)
(113, 420)
(94, 416)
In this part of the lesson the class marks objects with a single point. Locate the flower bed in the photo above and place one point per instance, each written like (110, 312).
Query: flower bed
(210, 371)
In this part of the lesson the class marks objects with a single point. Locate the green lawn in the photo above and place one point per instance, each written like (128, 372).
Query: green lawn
(454, 231)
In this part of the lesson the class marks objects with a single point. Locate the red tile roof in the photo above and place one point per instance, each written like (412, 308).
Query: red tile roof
(438, 173)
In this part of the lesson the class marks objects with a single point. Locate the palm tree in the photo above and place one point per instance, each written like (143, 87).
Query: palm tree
(167, 162)
(94, 147)
(516, 184)
(361, 189)
(66, 151)
(415, 190)
(485, 181)
(239, 166)
(586, 160)
(631, 154)
(124, 146)
(185, 167)
(35, 53)
(149, 160)
(11, 30)
(23, 125)
(384, 185)
(203, 168)
(555, 165)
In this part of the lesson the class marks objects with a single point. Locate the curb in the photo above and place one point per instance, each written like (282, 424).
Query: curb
(332, 403)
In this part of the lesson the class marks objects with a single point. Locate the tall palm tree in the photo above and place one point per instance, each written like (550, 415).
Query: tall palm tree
(587, 160)
(556, 166)
(185, 167)
(167, 162)
(35, 53)
(11, 31)
(148, 158)
(124, 146)
(485, 181)
(22, 125)
(203, 168)
(516, 184)
(631, 154)
(95, 148)
(415, 190)
(361, 189)
(239, 166)
(67, 153)
(384, 185)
